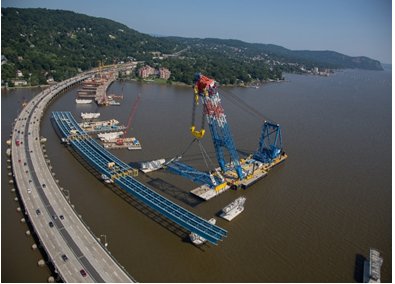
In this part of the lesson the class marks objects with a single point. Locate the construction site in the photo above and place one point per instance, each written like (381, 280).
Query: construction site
(96, 88)
(235, 173)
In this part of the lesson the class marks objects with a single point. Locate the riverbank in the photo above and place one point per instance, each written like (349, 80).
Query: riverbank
(24, 87)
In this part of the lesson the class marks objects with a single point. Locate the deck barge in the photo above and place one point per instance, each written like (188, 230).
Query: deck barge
(128, 143)
(93, 130)
(256, 172)
(372, 268)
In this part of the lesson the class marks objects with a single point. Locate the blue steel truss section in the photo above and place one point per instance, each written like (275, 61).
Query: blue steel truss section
(171, 210)
(193, 174)
(99, 158)
(270, 144)
(90, 155)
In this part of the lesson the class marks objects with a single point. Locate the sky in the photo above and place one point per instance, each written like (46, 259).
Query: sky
(350, 27)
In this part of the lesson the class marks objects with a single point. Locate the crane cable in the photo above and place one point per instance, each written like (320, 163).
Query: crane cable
(243, 105)
(204, 154)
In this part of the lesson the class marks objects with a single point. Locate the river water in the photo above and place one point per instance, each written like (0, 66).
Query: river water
(312, 219)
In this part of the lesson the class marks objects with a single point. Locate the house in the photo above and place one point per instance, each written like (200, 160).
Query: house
(19, 73)
(20, 82)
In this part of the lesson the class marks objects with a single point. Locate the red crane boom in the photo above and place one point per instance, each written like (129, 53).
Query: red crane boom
(120, 141)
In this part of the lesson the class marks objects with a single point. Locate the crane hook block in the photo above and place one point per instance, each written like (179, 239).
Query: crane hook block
(197, 134)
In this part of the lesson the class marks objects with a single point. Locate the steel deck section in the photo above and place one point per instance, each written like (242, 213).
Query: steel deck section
(100, 157)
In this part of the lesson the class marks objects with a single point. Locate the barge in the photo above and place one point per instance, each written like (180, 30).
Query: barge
(372, 268)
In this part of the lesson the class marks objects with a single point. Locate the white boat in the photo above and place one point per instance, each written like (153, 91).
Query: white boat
(8, 152)
(114, 103)
(89, 115)
(109, 136)
(152, 166)
(106, 179)
(82, 101)
(233, 209)
(198, 240)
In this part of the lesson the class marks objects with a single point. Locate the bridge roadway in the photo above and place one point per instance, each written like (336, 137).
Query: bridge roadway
(120, 173)
(39, 191)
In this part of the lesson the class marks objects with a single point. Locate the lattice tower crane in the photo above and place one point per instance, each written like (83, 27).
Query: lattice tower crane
(120, 141)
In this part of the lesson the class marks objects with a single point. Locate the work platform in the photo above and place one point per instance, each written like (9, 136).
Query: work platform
(120, 173)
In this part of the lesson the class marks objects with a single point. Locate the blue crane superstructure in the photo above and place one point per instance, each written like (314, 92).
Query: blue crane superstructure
(269, 151)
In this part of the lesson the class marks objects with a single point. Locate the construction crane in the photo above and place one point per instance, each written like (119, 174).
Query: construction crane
(269, 152)
(120, 141)
(206, 89)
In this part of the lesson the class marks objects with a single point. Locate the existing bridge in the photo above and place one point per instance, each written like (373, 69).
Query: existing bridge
(43, 200)
(120, 173)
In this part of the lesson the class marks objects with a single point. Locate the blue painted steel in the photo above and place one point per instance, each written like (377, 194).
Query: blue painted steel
(222, 138)
(269, 147)
(99, 158)
(169, 209)
(192, 174)
(219, 129)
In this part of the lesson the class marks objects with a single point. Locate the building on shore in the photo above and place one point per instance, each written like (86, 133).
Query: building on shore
(146, 71)
(164, 73)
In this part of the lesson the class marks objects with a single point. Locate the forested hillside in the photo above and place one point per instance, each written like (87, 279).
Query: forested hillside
(42, 43)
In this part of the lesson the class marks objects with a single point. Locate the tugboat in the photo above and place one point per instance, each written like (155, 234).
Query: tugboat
(233, 209)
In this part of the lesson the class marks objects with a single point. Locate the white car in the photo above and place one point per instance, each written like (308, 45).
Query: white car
(29, 190)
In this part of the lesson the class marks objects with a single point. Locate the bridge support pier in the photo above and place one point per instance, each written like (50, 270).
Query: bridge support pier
(41, 263)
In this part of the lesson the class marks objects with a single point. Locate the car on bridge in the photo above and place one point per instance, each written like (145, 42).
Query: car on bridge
(38, 212)
(50, 224)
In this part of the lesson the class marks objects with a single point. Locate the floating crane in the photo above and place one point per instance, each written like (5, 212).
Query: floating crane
(120, 141)
(269, 152)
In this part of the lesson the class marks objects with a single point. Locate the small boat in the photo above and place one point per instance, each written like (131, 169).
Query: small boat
(8, 152)
(89, 115)
(152, 166)
(82, 101)
(198, 240)
(233, 209)
(106, 179)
